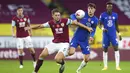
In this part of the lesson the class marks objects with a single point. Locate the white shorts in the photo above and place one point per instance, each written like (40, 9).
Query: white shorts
(58, 47)
(25, 42)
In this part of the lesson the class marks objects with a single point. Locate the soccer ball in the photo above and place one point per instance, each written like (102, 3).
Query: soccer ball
(79, 14)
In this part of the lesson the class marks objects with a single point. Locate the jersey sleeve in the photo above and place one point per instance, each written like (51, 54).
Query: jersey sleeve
(46, 24)
(73, 17)
(69, 22)
(94, 28)
(28, 21)
(13, 23)
(116, 17)
(101, 18)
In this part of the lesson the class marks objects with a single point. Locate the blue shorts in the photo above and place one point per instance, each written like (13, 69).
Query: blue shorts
(107, 39)
(85, 48)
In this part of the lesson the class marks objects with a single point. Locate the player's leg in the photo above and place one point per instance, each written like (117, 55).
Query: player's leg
(86, 53)
(114, 42)
(105, 45)
(73, 45)
(49, 49)
(20, 51)
(41, 59)
(60, 56)
(29, 45)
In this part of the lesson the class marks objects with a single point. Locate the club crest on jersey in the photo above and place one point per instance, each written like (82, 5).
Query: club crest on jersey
(62, 24)
(113, 17)
(92, 22)
(89, 19)
(25, 19)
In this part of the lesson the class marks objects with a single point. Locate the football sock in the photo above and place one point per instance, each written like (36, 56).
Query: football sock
(33, 56)
(82, 65)
(21, 59)
(38, 65)
(117, 58)
(105, 58)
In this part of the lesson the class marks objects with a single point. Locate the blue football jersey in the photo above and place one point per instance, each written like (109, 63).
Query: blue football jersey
(108, 22)
(82, 34)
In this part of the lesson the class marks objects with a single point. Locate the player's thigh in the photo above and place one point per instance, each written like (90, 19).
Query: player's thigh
(74, 43)
(63, 49)
(85, 48)
(28, 42)
(114, 41)
(105, 41)
(44, 53)
(52, 48)
(20, 43)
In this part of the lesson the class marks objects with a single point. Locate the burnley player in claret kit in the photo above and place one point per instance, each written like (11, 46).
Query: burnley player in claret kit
(60, 43)
(21, 21)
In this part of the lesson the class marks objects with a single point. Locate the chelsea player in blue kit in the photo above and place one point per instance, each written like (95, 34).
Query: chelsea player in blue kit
(109, 22)
(81, 37)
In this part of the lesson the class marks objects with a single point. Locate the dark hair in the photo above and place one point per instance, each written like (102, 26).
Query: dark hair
(108, 3)
(55, 10)
(92, 5)
(19, 8)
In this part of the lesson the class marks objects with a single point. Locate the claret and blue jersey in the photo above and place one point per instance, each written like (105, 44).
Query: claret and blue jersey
(82, 35)
(109, 23)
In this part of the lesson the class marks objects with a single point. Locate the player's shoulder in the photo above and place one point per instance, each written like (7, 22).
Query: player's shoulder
(26, 16)
(103, 13)
(114, 13)
(14, 17)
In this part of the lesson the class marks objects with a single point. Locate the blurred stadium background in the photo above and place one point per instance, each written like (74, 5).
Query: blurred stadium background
(39, 12)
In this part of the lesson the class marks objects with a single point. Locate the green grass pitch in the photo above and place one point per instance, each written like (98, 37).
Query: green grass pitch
(12, 66)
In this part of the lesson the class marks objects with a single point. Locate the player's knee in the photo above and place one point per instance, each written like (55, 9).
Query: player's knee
(115, 48)
(32, 51)
(105, 49)
(71, 51)
(43, 54)
(58, 59)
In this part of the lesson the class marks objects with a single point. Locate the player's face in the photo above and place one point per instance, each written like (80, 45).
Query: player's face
(91, 10)
(56, 16)
(109, 7)
(20, 11)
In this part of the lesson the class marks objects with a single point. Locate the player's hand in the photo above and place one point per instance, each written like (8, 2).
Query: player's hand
(14, 36)
(90, 29)
(91, 39)
(105, 30)
(26, 28)
(30, 34)
(120, 38)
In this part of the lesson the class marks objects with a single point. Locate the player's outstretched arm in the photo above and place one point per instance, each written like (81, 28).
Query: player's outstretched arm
(82, 25)
(34, 27)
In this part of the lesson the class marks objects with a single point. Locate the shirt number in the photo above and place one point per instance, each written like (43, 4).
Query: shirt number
(21, 24)
(109, 23)
(59, 30)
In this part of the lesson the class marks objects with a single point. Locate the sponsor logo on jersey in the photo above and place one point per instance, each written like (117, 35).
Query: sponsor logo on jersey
(89, 19)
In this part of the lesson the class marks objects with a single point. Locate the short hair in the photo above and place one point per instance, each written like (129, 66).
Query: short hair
(19, 7)
(55, 10)
(92, 5)
(109, 3)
